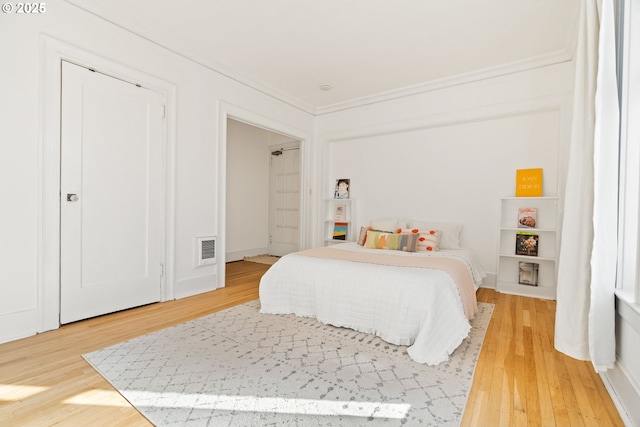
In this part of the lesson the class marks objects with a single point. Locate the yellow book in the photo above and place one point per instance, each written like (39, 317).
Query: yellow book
(529, 182)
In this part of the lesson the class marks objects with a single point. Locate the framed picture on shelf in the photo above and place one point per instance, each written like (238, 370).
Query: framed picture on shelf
(528, 273)
(340, 213)
(342, 188)
(527, 243)
(527, 217)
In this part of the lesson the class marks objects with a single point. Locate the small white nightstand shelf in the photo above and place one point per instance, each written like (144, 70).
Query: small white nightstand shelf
(508, 269)
(332, 215)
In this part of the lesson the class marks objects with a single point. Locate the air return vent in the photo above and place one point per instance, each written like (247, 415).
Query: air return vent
(205, 250)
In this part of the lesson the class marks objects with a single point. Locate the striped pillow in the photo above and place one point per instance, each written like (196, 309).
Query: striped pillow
(406, 242)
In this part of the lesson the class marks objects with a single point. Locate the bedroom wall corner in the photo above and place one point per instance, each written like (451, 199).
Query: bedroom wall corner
(489, 281)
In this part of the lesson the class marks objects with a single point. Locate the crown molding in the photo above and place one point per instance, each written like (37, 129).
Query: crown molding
(557, 57)
(168, 43)
(560, 56)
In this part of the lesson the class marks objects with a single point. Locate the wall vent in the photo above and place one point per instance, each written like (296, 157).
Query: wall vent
(205, 250)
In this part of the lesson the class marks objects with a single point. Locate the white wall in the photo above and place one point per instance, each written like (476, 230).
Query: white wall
(247, 191)
(451, 154)
(196, 96)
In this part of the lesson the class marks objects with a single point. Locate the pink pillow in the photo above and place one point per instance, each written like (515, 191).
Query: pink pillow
(362, 238)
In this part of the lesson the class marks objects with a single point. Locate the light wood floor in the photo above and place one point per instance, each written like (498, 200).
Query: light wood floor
(519, 380)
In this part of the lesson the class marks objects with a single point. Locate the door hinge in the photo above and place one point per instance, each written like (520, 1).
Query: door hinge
(161, 270)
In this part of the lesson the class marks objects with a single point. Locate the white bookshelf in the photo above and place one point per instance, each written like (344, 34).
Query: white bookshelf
(508, 269)
(330, 210)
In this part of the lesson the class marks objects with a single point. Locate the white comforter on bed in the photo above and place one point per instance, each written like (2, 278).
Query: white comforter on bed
(418, 307)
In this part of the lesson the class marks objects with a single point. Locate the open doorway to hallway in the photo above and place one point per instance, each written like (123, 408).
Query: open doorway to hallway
(262, 192)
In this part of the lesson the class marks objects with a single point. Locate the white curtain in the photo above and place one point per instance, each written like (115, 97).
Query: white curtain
(602, 345)
(585, 313)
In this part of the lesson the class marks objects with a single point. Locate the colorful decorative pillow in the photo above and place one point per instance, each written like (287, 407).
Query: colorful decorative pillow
(363, 235)
(428, 240)
(407, 242)
(449, 232)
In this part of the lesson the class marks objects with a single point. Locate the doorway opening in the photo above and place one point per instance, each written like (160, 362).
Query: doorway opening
(263, 192)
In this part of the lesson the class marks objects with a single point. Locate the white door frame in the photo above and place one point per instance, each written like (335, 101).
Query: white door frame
(230, 111)
(52, 52)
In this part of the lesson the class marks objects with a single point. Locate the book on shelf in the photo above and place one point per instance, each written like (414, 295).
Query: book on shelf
(340, 231)
(341, 212)
(529, 182)
(527, 217)
(527, 243)
(528, 273)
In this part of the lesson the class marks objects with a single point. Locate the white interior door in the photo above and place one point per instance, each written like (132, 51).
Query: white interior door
(284, 201)
(111, 194)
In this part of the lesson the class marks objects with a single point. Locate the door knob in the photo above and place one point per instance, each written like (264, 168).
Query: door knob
(72, 197)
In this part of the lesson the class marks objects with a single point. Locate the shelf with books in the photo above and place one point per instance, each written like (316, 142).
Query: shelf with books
(528, 240)
(545, 242)
(338, 214)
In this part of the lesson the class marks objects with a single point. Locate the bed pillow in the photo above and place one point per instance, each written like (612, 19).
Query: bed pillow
(362, 237)
(428, 240)
(407, 242)
(389, 225)
(449, 232)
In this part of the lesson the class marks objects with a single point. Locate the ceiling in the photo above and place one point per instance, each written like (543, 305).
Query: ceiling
(365, 50)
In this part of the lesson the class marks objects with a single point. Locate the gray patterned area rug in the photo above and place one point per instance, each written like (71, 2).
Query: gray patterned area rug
(238, 367)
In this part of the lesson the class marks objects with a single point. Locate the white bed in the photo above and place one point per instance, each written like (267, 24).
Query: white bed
(420, 307)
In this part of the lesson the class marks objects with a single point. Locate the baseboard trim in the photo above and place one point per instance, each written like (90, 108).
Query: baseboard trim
(196, 285)
(624, 394)
(18, 325)
(489, 281)
(239, 255)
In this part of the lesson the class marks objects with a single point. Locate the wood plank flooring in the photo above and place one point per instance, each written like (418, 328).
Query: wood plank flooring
(520, 379)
